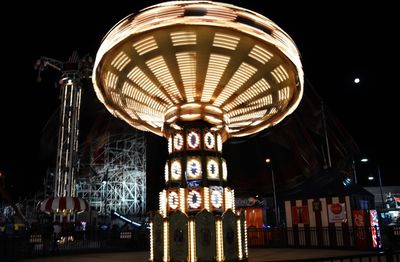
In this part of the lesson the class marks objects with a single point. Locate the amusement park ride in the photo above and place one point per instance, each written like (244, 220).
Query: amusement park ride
(64, 204)
(197, 73)
(118, 182)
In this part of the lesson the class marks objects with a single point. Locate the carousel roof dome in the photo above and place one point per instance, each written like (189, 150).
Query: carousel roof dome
(198, 60)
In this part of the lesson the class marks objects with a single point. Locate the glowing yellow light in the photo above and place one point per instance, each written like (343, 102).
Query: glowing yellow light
(120, 61)
(209, 140)
(216, 199)
(228, 198)
(172, 119)
(176, 170)
(213, 120)
(151, 242)
(212, 169)
(166, 241)
(193, 140)
(194, 199)
(206, 194)
(193, 168)
(178, 142)
(145, 45)
(283, 93)
(192, 241)
(280, 74)
(220, 240)
(170, 145)
(182, 198)
(246, 251)
(183, 38)
(192, 106)
(111, 78)
(166, 172)
(160, 14)
(256, 89)
(219, 143)
(141, 105)
(233, 200)
(173, 200)
(224, 171)
(139, 72)
(160, 69)
(216, 67)
(187, 68)
(219, 12)
(243, 73)
(163, 203)
(273, 111)
(137, 76)
(239, 236)
(190, 117)
(170, 110)
(226, 41)
(260, 54)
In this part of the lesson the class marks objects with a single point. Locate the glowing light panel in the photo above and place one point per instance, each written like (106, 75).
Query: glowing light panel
(219, 143)
(209, 140)
(193, 140)
(193, 168)
(176, 170)
(194, 199)
(212, 169)
(224, 171)
(173, 200)
(216, 199)
(178, 142)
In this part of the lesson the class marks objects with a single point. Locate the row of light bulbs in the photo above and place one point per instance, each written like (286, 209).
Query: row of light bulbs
(196, 199)
(176, 142)
(194, 169)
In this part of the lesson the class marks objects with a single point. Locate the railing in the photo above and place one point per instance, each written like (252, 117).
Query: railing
(387, 256)
(25, 245)
(362, 238)
(273, 237)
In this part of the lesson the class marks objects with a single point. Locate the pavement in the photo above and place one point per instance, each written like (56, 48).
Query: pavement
(255, 255)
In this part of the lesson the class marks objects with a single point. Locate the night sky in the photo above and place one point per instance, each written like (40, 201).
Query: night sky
(338, 42)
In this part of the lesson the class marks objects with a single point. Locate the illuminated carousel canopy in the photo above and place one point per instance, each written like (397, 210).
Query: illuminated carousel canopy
(63, 205)
(187, 60)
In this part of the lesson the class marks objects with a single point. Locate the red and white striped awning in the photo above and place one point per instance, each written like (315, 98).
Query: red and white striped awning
(63, 205)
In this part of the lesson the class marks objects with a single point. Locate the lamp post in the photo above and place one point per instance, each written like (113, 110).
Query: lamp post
(269, 163)
(365, 160)
(354, 171)
(380, 186)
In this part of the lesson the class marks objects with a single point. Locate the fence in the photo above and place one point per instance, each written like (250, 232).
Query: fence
(24, 245)
(387, 256)
(326, 237)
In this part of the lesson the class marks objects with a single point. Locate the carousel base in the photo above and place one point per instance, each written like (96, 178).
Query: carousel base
(202, 237)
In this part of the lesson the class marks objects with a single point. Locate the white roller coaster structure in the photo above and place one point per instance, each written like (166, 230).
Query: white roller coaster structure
(118, 180)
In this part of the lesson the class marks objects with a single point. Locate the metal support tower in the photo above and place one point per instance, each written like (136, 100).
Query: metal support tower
(118, 182)
(67, 164)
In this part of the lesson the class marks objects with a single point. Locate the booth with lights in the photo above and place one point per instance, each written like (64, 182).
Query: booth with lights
(198, 73)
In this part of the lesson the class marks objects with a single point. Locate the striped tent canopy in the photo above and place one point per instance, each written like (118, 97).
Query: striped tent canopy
(64, 205)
